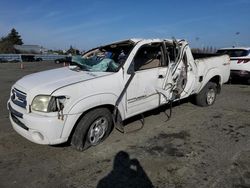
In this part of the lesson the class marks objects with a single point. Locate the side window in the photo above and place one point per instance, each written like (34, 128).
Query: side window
(148, 57)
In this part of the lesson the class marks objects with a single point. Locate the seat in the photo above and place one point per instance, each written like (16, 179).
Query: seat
(151, 61)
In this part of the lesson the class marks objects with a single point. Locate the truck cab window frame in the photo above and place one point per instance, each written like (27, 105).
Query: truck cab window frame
(148, 56)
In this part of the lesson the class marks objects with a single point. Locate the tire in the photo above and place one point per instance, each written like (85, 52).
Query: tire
(207, 96)
(93, 128)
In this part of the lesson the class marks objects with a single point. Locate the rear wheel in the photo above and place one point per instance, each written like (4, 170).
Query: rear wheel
(92, 129)
(207, 96)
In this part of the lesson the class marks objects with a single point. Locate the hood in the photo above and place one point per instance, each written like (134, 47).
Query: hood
(46, 82)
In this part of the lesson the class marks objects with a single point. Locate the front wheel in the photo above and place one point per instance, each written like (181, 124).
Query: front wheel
(207, 96)
(92, 129)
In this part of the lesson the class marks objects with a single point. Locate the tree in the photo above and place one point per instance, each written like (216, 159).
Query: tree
(7, 43)
(14, 37)
(6, 47)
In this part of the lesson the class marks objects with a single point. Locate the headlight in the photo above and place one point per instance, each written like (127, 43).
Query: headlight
(40, 103)
(46, 103)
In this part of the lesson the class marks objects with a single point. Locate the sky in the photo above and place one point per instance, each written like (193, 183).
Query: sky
(85, 24)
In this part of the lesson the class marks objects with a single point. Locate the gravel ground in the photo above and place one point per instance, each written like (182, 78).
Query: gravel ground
(197, 147)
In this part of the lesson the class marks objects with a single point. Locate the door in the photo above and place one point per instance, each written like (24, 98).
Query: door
(150, 70)
(180, 79)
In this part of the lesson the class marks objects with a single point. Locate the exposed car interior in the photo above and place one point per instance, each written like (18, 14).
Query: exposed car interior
(105, 58)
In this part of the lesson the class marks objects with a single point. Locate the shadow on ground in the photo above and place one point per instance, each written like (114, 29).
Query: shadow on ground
(126, 173)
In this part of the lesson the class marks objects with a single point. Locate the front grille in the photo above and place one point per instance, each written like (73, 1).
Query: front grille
(19, 98)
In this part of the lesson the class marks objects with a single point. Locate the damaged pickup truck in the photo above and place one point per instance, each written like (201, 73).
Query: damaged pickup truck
(82, 103)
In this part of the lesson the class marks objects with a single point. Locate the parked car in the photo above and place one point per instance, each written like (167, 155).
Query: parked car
(109, 84)
(240, 61)
(30, 58)
(63, 60)
(13, 61)
(3, 60)
(38, 59)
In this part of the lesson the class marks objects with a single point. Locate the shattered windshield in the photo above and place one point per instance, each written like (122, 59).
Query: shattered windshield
(104, 59)
(96, 64)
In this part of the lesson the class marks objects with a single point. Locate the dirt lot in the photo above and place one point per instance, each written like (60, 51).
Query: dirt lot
(197, 147)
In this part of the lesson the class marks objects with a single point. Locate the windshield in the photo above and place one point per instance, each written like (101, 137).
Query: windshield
(234, 52)
(96, 64)
(104, 59)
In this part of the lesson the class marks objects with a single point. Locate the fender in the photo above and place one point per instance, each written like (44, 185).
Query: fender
(86, 104)
(209, 75)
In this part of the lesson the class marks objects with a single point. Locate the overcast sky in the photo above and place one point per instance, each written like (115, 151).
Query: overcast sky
(88, 23)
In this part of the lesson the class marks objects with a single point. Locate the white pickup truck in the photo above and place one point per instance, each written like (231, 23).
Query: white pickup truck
(83, 102)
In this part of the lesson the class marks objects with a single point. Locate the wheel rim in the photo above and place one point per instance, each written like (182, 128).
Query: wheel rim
(210, 96)
(97, 130)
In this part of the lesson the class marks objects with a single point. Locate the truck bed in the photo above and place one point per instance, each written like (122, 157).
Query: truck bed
(213, 65)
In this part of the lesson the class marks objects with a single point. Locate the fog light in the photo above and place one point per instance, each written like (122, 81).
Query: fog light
(37, 136)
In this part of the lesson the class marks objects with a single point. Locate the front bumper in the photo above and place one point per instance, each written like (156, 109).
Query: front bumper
(37, 128)
(240, 74)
